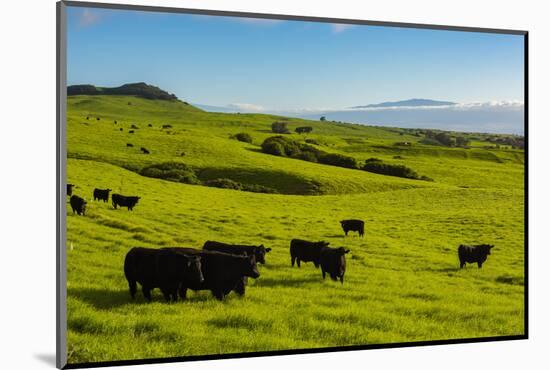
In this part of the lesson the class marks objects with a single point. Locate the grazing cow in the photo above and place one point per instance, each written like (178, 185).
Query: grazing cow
(129, 145)
(305, 251)
(78, 205)
(145, 151)
(257, 251)
(333, 262)
(222, 272)
(353, 225)
(121, 129)
(149, 125)
(157, 268)
(134, 126)
(166, 126)
(124, 201)
(99, 119)
(87, 118)
(116, 123)
(102, 194)
(182, 154)
(70, 189)
(474, 253)
(130, 131)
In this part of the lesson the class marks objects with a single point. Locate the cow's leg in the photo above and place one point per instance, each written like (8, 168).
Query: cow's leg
(146, 292)
(346, 232)
(316, 264)
(298, 261)
(182, 291)
(323, 271)
(133, 288)
(342, 279)
(292, 260)
(479, 264)
(240, 287)
(218, 293)
(166, 294)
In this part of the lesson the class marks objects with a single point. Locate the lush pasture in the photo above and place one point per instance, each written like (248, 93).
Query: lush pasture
(402, 283)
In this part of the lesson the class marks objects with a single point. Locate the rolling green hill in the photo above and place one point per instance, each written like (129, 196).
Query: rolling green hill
(402, 284)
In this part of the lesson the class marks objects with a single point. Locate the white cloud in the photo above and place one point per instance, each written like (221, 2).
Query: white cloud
(246, 107)
(490, 105)
(339, 27)
(88, 18)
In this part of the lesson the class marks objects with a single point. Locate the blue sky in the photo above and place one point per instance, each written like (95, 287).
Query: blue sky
(284, 65)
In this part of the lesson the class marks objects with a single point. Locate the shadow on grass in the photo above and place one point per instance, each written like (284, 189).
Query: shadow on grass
(293, 282)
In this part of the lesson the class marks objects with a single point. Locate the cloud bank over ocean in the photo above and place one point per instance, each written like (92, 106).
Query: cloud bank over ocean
(505, 117)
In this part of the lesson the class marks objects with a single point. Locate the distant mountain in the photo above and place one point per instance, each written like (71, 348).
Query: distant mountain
(140, 89)
(407, 103)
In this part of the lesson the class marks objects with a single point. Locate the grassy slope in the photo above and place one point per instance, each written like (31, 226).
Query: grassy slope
(402, 282)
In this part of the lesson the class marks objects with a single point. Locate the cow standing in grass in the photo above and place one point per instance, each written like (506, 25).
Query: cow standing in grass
(160, 268)
(78, 205)
(124, 201)
(306, 251)
(102, 194)
(250, 250)
(222, 271)
(333, 262)
(474, 254)
(353, 225)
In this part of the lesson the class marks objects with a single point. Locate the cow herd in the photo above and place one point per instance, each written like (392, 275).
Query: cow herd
(78, 204)
(222, 268)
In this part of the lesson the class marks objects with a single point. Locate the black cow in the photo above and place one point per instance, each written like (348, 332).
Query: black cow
(130, 131)
(116, 123)
(353, 225)
(124, 201)
(166, 126)
(144, 150)
(222, 272)
(99, 119)
(333, 262)
(305, 251)
(156, 268)
(257, 251)
(149, 125)
(121, 129)
(78, 205)
(473, 254)
(88, 118)
(134, 126)
(102, 194)
(70, 189)
(129, 145)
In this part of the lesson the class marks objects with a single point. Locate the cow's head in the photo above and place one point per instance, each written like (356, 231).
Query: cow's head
(193, 270)
(322, 244)
(341, 251)
(109, 190)
(250, 268)
(260, 252)
(487, 248)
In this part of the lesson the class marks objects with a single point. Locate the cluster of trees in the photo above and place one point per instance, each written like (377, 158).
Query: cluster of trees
(285, 147)
(376, 165)
(516, 142)
(280, 127)
(445, 139)
(243, 136)
(180, 172)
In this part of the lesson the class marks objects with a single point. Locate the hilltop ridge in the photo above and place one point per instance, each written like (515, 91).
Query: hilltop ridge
(140, 89)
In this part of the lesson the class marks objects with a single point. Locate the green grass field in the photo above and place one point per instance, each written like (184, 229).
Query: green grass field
(403, 281)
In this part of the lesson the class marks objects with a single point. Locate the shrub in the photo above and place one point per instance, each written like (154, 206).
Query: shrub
(307, 156)
(305, 129)
(224, 184)
(312, 141)
(377, 166)
(244, 137)
(339, 160)
(280, 128)
(172, 171)
(255, 188)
